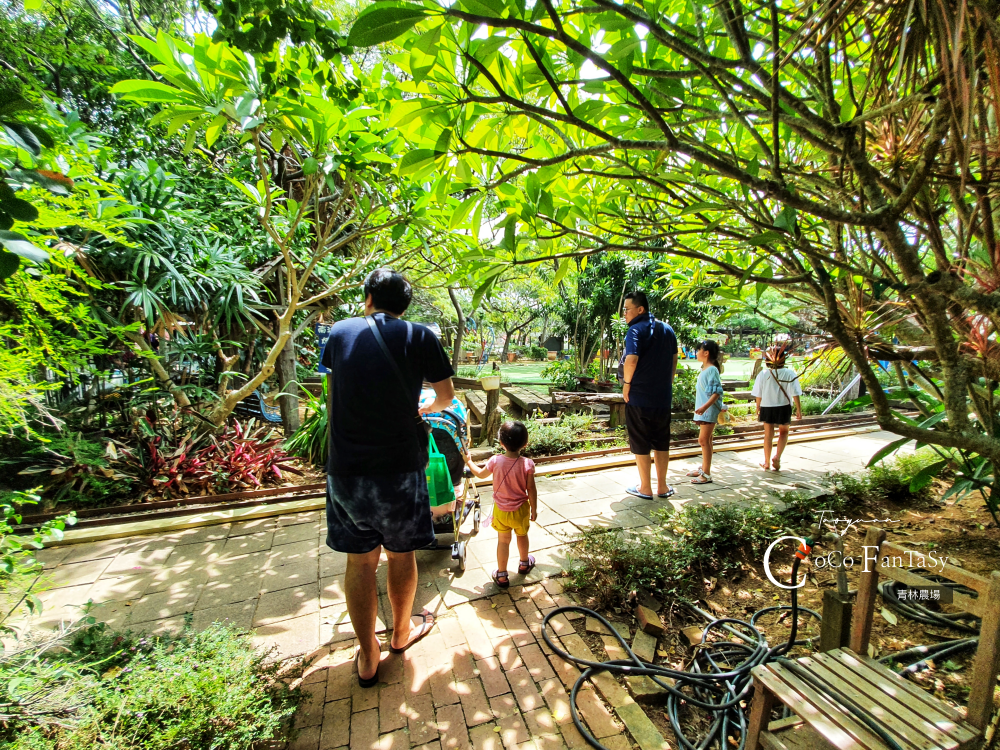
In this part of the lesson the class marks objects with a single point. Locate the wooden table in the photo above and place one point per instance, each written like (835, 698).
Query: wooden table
(527, 400)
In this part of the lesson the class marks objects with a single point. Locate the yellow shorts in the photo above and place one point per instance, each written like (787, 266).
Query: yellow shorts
(517, 521)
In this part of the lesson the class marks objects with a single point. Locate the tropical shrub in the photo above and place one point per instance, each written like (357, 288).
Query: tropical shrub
(685, 380)
(310, 440)
(121, 691)
(561, 373)
(537, 352)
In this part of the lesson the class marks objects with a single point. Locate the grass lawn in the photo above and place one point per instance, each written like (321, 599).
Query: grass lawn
(519, 372)
(733, 369)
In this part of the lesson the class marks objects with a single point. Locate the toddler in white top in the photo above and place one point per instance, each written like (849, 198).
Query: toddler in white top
(776, 389)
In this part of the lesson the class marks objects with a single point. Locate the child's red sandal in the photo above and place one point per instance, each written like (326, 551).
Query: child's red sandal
(524, 568)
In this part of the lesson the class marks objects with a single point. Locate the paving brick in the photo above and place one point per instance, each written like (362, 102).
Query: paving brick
(541, 597)
(339, 678)
(451, 727)
(613, 648)
(435, 745)
(493, 625)
(420, 720)
(492, 675)
(484, 738)
(619, 743)
(553, 586)
(536, 663)
(310, 712)
(513, 732)
(475, 633)
(336, 725)
(601, 721)
(394, 741)
(307, 739)
(526, 607)
(613, 693)
(557, 698)
(364, 730)
(443, 688)
(549, 742)
(390, 671)
(567, 672)
(524, 689)
(643, 731)
(540, 722)
(559, 625)
(362, 699)
(517, 593)
(517, 627)
(572, 737)
(416, 680)
(507, 654)
(474, 702)
(462, 664)
(644, 646)
(503, 705)
(391, 708)
(451, 631)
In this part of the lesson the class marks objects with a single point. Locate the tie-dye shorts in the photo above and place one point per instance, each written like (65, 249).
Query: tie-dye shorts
(391, 510)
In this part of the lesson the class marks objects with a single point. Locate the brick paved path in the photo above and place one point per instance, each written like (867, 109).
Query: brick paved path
(484, 667)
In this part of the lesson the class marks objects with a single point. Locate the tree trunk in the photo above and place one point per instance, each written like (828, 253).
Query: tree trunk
(456, 352)
(492, 419)
(159, 371)
(288, 387)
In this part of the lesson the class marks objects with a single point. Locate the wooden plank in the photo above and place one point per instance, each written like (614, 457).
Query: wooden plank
(799, 736)
(891, 712)
(962, 601)
(894, 687)
(864, 605)
(979, 584)
(987, 663)
(815, 710)
(935, 709)
(760, 712)
(834, 713)
(476, 403)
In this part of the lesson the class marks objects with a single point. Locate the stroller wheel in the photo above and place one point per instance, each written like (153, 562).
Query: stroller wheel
(458, 553)
(476, 517)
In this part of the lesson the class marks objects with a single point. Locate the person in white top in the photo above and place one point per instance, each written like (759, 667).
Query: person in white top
(776, 389)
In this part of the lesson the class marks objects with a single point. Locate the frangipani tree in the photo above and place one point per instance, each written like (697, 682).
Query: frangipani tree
(846, 154)
(340, 209)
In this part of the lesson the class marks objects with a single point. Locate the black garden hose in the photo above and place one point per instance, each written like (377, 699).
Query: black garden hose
(718, 679)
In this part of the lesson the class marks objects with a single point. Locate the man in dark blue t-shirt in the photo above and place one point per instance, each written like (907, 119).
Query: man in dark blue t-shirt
(648, 367)
(376, 482)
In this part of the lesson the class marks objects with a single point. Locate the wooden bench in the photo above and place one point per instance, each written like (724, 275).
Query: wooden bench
(527, 400)
(255, 406)
(911, 716)
(476, 401)
(615, 401)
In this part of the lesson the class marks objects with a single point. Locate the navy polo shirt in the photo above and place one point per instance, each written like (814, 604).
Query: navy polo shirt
(656, 345)
(373, 429)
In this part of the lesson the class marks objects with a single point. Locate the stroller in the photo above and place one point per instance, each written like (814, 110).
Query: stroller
(451, 506)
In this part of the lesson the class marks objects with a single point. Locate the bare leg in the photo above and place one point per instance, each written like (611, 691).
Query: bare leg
(503, 550)
(644, 464)
(522, 548)
(362, 606)
(782, 441)
(402, 585)
(768, 437)
(705, 440)
(662, 459)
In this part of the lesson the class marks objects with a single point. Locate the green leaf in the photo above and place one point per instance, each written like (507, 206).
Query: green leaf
(22, 137)
(462, 212)
(412, 161)
(20, 209)
(381, 24)
(148, 91)
(19, 244)
(214, 130)
(561, 271)
(885, 450)
(926, 475)
(847, 109)
(310, 165)
(8, 265)
(493, 8)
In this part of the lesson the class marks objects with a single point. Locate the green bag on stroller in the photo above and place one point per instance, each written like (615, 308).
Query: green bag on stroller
(439, 485)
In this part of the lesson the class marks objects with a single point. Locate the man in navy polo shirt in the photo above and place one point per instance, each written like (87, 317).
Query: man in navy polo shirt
(649, 364)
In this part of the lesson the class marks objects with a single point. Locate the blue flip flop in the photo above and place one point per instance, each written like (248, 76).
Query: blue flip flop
(669, 493)
(634, 491)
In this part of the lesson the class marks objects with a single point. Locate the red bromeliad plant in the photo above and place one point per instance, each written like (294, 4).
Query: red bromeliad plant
(235, 459)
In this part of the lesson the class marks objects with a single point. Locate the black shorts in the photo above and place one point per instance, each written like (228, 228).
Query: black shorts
(776, 414)
(392, 510)
(648, 429)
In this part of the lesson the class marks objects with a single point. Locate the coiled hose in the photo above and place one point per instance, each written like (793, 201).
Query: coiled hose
(914, 610)
(717, 681)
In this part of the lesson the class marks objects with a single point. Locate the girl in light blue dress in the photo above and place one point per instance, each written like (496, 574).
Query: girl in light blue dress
(707, 405)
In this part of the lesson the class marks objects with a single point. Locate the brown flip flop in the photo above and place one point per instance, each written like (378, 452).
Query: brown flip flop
(425, 627)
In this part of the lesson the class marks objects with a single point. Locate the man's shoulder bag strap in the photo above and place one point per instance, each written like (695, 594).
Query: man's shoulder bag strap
(404, 388)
